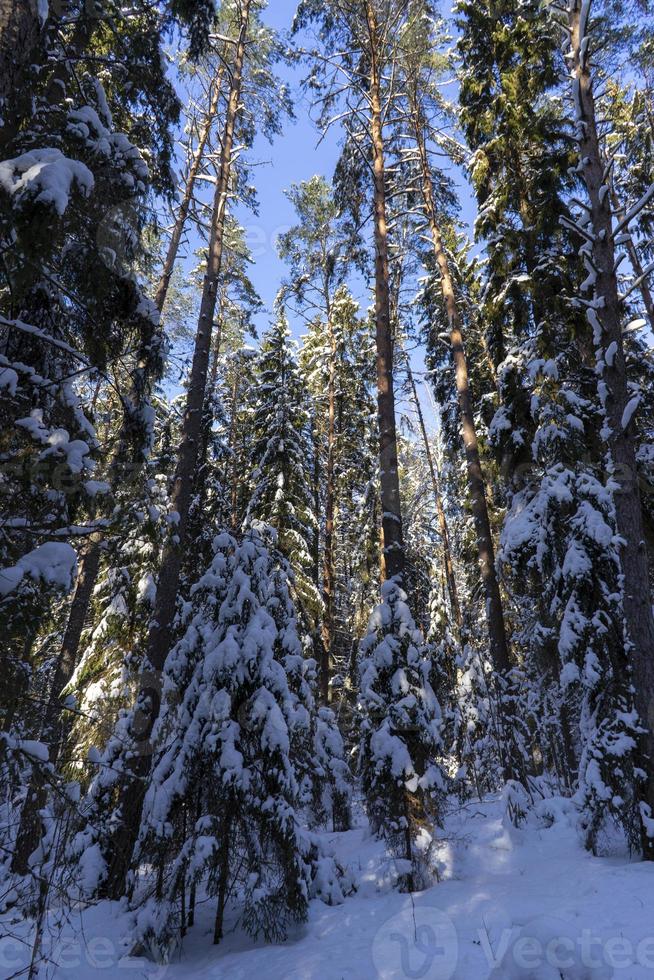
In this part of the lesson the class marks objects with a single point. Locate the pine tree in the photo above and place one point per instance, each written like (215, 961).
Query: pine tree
(362, 41)
(425, 111)
(340, 366)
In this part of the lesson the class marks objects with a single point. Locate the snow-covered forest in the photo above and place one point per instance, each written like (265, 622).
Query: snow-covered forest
(326, 632)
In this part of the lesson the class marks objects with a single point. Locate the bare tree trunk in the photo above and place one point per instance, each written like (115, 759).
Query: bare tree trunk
(440, 513)
(608, 336)
(315, 490)
(393, 544)
(499, 648)
(189, 189)
(200, 483)
(160, 634)
(234, 478)
(222, 885)
(67, 659)
(89, 564)
(328, 556)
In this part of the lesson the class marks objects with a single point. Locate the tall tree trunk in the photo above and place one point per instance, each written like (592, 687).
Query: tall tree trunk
(222, 884)
(440, 513)
(200, 482)
(67, 658)
(315, 543)
(499, 648)
(234, 475)
(393, 544)
(189, 189)
(90, 560)
(160, 634)
(20, 32)
(53, 727)
(328, 555)
(620, 440)
(89, 564)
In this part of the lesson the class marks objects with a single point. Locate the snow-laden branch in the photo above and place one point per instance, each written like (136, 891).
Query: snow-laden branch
(42, 335)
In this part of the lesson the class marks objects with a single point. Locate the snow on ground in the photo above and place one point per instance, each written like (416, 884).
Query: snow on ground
(528, 903)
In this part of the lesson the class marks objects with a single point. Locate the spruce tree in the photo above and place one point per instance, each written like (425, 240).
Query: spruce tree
(75, 325)
(318, 250)
(604, 311)
(231, 740)
(401, 738)
(281, 455)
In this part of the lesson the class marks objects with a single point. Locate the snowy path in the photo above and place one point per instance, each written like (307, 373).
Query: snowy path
(495, 881)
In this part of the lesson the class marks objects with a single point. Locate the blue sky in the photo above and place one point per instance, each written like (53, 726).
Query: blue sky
(294, 156)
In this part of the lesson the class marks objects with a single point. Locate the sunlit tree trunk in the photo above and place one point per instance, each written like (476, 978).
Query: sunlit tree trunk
(189, 189)
(393, 544)
(328, 554)
(160, 634)
(476, 482)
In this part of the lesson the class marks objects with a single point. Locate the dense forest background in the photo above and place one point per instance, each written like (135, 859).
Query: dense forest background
(387, 545)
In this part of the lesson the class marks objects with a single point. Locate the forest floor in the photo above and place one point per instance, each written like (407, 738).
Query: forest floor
(527, 903)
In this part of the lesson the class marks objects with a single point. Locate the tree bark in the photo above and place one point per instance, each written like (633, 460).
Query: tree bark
(53, 727)
(499, 648)
(613, 375)
(234, 477)
(67, 659)
(393, 543)
(189, 188)
(160, 635)
(20, 31)
(222, 884)
(328, 555)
